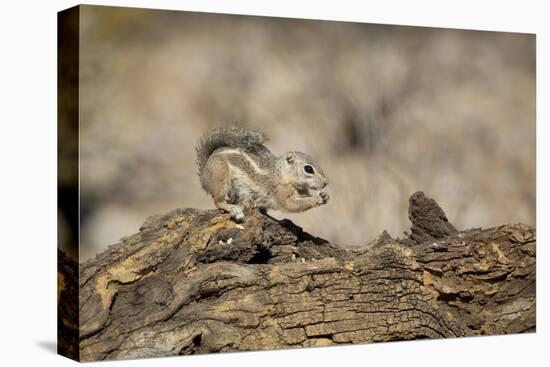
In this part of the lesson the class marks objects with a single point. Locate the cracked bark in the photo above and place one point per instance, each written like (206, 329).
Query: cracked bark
(192, 282)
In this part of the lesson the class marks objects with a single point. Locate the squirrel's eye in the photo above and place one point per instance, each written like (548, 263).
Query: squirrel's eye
(309, 169)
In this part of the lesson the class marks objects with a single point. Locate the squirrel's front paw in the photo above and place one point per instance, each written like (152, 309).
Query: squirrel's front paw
(323, 198)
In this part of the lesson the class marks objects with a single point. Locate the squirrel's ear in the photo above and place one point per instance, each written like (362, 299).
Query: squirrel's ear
(289, 157)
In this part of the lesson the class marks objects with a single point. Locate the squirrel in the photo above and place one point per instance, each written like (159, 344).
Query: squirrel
(240, 173)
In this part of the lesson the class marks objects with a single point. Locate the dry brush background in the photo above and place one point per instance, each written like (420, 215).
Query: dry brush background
(387, 110)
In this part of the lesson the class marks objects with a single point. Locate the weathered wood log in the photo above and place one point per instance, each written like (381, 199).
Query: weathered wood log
(67, 306)
(192, 281)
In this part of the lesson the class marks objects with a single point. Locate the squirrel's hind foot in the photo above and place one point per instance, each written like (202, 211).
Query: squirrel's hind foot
(237, 214)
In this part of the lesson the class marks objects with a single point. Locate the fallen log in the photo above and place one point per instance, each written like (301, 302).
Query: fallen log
(194, 281)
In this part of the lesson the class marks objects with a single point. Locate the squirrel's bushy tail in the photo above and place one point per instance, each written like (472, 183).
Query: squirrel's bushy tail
(231, 137)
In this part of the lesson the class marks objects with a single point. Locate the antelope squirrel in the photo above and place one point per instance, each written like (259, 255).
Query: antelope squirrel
(240, 173)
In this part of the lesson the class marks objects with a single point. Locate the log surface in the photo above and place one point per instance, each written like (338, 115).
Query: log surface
(192, 281)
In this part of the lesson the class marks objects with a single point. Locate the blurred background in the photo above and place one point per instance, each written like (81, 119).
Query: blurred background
(386, 110)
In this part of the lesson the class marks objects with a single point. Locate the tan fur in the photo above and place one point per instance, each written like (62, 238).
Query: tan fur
(247, 158)
(245, 176)
(288, 199)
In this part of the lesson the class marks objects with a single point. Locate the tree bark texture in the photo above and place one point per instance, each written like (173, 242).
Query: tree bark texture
(194, 281)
